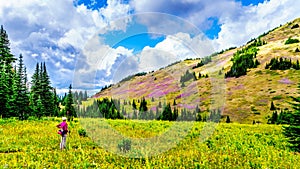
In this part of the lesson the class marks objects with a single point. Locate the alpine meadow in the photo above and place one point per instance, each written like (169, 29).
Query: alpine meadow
(235, 108)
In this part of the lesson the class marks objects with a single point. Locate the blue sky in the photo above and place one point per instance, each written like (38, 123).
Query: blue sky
(92, 43)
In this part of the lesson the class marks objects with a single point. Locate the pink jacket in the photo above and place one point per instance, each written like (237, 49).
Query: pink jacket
(63, 125)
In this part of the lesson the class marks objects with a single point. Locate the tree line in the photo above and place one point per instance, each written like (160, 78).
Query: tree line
(282, 64)
(114, 109)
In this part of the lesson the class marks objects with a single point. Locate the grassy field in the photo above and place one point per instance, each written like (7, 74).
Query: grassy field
(154, 144)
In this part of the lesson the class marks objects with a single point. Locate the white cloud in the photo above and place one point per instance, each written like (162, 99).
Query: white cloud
(255, 20)
(238, 23)
(54, 31)
(174, 48)
(195, 12)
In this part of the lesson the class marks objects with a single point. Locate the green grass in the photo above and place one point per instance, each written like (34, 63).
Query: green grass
(154, 144)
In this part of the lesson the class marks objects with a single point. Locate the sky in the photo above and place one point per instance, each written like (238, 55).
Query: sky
(93, 43)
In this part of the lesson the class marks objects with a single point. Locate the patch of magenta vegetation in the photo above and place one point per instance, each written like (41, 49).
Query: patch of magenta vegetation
(153, 108)
(140, 83)
(192, 86)
(285, 81)
(121, 92)
(163, 88)
(191, 89)
(187, 94)
(238, 87)
(187, 106)
(156, 93)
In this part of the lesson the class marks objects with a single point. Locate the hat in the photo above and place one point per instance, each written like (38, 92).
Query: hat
(64, 118)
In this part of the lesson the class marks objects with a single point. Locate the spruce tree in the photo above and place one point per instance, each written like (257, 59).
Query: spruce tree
(292, 132)
(69, 109)
(46, 95)
(55, 104)
(39, 109)
(85, 96)
(133, 104)
(272, 106)
(35, 89)
(175, 114)
(6, 67)
(143, 105)
(167, 113)
(227, 119)
(22, 94)
(42, 90)
(3, 93)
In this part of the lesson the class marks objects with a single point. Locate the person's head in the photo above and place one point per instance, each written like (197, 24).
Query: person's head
(64, 118)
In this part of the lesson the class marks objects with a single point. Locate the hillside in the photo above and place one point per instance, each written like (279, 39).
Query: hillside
(244, 99)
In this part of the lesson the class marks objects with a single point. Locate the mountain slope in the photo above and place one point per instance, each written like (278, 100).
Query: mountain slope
(243, 99)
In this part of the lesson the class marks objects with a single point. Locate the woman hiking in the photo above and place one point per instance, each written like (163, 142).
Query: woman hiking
(63, 131)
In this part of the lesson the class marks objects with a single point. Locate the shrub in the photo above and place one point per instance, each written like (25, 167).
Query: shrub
(82, 132)
(124, 145)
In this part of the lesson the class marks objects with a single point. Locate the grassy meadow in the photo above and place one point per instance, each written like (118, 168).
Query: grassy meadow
(153, 144)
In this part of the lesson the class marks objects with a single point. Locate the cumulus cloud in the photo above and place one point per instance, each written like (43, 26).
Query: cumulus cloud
(56, 31)
(194, 11)
(97, 65)
(255, 20)
(245, 21)
(175, 47)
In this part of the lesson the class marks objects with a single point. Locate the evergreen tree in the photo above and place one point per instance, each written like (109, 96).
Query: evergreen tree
(39, 109)
(175, 114)
(46, 95)
(133, 104)
(3, 93)
(35, 88)
(227, 119)
(274, 118)
(199, 117)
(22, 94)
(272, 106)
(56, 108)
(69, 109)
(167, 113)
(157, 113)
(151, 115)
(7, 92)
(159, 104)
(85, 96)
(143, 105)
(292, 132)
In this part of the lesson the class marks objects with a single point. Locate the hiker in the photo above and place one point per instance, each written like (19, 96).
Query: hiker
(63, 132)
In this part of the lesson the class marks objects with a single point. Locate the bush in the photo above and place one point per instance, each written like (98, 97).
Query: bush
(124, 145)
(82, 132)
